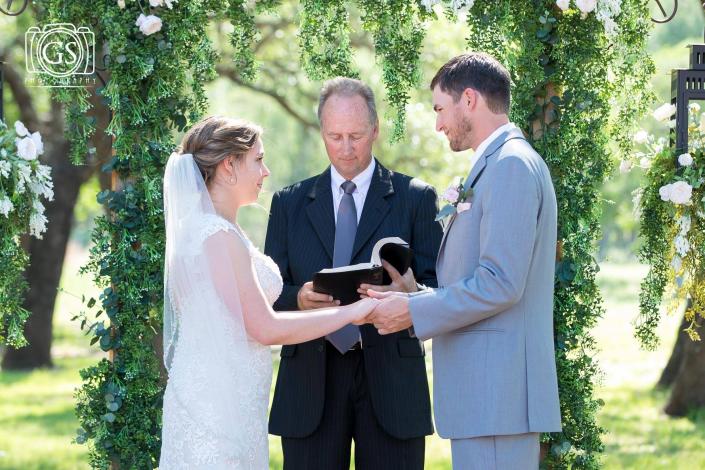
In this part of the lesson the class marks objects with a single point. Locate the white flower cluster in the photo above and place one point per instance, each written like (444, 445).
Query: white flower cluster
(606, 11)
(458, 6)
(24, 173)
(681, 242)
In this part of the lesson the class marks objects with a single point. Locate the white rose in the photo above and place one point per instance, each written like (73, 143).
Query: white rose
(149, 24)
(681, 192)
(665, 192)
(121, 4)
(586, 6)
(20, 129)
(625, 166)
(641, 137)
(27, 148)
(664, 112)
(685, 159)
(563, 4)
(156, 3)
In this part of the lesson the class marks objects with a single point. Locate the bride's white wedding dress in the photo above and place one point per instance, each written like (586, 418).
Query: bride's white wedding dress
(217, 394)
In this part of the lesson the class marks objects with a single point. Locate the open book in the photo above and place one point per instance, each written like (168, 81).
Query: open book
(342, 283)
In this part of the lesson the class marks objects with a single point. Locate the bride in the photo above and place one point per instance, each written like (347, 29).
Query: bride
(218, 293)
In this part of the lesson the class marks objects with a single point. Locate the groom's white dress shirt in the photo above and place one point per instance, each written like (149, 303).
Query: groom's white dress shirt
(483, 145)
(362, 186)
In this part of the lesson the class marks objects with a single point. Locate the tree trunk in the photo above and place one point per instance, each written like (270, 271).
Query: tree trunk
(689, 383)
(674, 362)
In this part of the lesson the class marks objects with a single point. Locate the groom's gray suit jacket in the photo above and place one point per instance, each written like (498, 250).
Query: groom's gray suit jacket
(491, 319)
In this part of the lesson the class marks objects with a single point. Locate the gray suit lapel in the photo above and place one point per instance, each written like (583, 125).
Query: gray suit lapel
(476, 170)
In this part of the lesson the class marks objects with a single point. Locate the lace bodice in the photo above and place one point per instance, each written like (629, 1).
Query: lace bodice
(268, 274)
(215, 408)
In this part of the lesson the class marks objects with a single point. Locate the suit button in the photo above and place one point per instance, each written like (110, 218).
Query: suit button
(320, 348)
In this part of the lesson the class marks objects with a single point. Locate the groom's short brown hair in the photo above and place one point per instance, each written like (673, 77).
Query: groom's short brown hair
(478, 71)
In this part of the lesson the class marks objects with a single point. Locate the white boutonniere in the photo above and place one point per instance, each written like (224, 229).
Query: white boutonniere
(457, 197)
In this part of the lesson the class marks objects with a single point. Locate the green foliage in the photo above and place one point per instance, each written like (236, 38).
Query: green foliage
(24, 181)
(673, 231)
(155, 87)
(567, 77)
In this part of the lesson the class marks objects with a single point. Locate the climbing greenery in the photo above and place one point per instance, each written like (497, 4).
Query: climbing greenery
(672, 213)
(570, 70)
(24, 184)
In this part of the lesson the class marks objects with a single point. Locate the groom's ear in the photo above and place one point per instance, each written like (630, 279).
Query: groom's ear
(469, 98)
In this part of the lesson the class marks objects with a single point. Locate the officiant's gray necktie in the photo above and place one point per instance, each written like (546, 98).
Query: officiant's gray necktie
(345, 229)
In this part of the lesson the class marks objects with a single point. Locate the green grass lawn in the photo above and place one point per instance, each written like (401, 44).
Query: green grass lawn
(37, 422)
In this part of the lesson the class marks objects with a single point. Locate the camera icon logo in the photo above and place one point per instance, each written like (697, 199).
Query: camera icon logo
(60, 50)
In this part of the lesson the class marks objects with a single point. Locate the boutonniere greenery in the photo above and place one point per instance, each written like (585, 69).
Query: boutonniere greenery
(458, 201)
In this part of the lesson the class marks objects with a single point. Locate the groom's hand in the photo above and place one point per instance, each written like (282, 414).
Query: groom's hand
(307, 299)
(405, 283)
(392, 314)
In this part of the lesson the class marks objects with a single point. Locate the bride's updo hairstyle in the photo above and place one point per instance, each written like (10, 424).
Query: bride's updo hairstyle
(216, 138)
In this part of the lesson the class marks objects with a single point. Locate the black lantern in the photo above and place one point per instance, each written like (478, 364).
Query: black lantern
(686, 85)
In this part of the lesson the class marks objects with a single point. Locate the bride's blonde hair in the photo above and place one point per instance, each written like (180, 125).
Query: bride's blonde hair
(216, 138)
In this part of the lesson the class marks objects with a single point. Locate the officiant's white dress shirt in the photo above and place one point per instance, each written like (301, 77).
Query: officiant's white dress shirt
(362, 186)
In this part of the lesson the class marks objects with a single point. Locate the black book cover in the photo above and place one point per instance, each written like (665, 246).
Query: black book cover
(342, 283)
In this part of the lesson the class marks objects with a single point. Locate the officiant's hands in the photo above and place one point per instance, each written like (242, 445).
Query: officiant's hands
(405, 283)
(307, 299)
(392, 312)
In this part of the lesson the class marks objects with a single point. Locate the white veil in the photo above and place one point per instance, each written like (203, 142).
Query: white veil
(210, 359)
(186, 203)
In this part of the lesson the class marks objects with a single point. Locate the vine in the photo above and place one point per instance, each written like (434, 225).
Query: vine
(672, 214)
(24, 183)
(569, 62)
(159, 60)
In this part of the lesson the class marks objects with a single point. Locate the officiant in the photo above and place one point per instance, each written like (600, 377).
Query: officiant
(353, 385)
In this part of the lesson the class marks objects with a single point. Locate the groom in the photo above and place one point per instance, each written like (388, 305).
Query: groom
(354, 384)
(491, 319)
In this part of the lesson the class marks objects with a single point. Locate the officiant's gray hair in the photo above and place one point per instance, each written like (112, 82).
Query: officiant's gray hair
(344, 86)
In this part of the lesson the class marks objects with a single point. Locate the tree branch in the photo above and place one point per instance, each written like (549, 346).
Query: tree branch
(232, 75)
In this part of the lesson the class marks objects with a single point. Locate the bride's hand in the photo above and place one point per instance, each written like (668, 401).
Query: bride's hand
(362, 309)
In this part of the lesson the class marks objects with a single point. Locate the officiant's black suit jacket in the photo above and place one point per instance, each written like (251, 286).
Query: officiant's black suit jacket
(300, 239)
